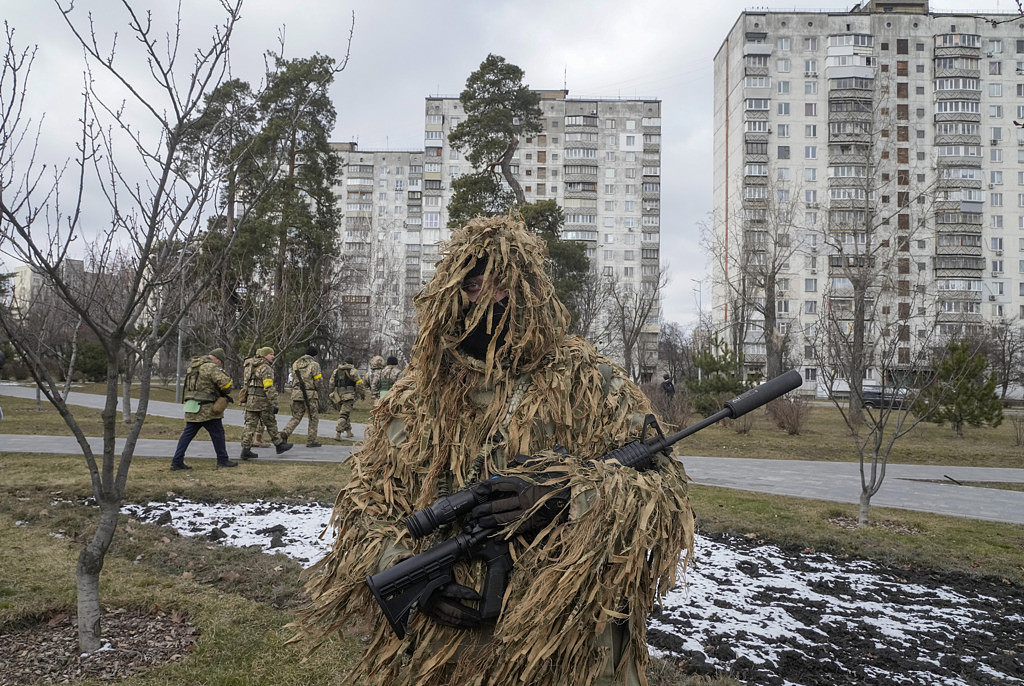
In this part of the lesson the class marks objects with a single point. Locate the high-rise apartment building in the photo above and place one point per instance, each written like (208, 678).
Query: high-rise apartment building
(599, 159)
(385, 260)
(867, 166)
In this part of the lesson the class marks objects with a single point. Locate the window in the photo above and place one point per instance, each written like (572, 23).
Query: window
(782, 44)
(995, 111)
(995, 46)
(810, 285)
(810, 306)
(782, 195)
(812, 44)
(811, 67)
(783, 66)
(995, 155)
(810, 174)
(782, 87)
(810, 152)
(811, 130)
(995, 199)
(783, 108)
(783, 130)
(810, 87)
(995, 90)
(784, 174)
(810, 109)
(995, 177)
(811, 197)
(783, 152)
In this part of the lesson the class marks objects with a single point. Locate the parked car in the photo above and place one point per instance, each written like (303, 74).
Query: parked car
(895, 398)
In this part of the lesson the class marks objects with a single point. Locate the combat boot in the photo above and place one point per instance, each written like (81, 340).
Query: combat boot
(227, 463)
(248, 454)
(282, 447)
(337, 436)
(314, 444)
(349, 434)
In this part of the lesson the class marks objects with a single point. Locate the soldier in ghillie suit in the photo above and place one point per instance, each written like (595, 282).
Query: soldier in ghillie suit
(382, 381)
(345, 385)
(260, 398)
(206, 396)
(306, 383)
(494, 375)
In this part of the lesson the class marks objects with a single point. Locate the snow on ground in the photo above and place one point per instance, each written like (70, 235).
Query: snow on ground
(766, 615)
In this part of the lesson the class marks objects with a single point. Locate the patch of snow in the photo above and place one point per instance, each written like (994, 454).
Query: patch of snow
(739, 603)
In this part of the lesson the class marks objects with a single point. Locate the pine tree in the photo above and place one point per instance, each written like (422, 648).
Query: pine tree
(963, 391)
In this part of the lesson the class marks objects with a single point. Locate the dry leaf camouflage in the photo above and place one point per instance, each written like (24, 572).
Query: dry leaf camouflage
(581, 590)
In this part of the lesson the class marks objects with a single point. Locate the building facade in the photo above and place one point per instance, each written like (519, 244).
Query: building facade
(867, 168)
(599, 159)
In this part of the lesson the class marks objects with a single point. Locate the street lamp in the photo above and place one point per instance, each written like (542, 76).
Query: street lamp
(700, 298)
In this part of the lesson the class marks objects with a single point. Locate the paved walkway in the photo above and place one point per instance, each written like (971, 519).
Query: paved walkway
(911, 487)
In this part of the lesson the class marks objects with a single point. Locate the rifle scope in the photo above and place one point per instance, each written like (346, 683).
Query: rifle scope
(444, 511)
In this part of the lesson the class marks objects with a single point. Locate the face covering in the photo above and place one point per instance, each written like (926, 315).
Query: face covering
(476, 341)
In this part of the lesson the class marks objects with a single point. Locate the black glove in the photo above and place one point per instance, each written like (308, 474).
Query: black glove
(275, 409)
(443, 606)
(509, 498)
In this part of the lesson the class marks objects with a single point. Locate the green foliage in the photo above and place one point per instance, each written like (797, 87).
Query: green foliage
(963, 390)
(91, 362)
(478, 195)
(567, 260)
(499, 109)
(720, 377)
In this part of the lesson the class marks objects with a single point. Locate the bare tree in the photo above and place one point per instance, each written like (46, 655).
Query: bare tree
(129, 167)
(759, 258)
(588, 305)
(878, 322)
(630, 311)
(1004, 347)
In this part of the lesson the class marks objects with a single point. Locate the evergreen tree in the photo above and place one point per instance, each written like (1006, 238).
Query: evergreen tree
(719, 377)
(963, 391)
(500, 109)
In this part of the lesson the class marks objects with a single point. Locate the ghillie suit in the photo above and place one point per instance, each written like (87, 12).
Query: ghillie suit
(580, 592)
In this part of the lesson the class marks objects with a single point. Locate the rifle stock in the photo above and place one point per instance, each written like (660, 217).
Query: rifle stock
(402, 586)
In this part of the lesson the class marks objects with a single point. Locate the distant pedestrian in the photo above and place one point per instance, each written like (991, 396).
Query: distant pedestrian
(385, 378)
(306, 384)
(667, 387)
(260, 403)
(345, 386)
(207, 389)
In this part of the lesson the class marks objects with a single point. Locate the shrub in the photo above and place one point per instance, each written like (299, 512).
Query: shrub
(789, 413)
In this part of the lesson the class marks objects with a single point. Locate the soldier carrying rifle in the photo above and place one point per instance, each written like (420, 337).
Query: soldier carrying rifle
(494, 375)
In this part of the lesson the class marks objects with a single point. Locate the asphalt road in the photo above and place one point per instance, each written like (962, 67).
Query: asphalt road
(912, 487)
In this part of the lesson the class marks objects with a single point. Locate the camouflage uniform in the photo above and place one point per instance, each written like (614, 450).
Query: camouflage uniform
(384, 380)
(345, 384)
(260, 402)
(306, 383)
(205, 381)
(490, 379)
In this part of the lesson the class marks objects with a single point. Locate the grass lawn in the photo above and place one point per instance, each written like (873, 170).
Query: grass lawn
(241, 600)
(825, 437)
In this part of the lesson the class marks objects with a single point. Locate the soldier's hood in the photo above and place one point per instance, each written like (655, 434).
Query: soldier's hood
(534, 321)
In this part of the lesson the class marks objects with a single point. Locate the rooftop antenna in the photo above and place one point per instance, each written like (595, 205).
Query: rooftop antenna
(565, 77)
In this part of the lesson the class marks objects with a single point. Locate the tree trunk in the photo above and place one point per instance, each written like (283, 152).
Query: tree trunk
(87, 574)
(506, 172)
(865, 509)
(126, 398)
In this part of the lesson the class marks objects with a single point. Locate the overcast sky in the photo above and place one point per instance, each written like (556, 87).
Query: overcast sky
(403, 51)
